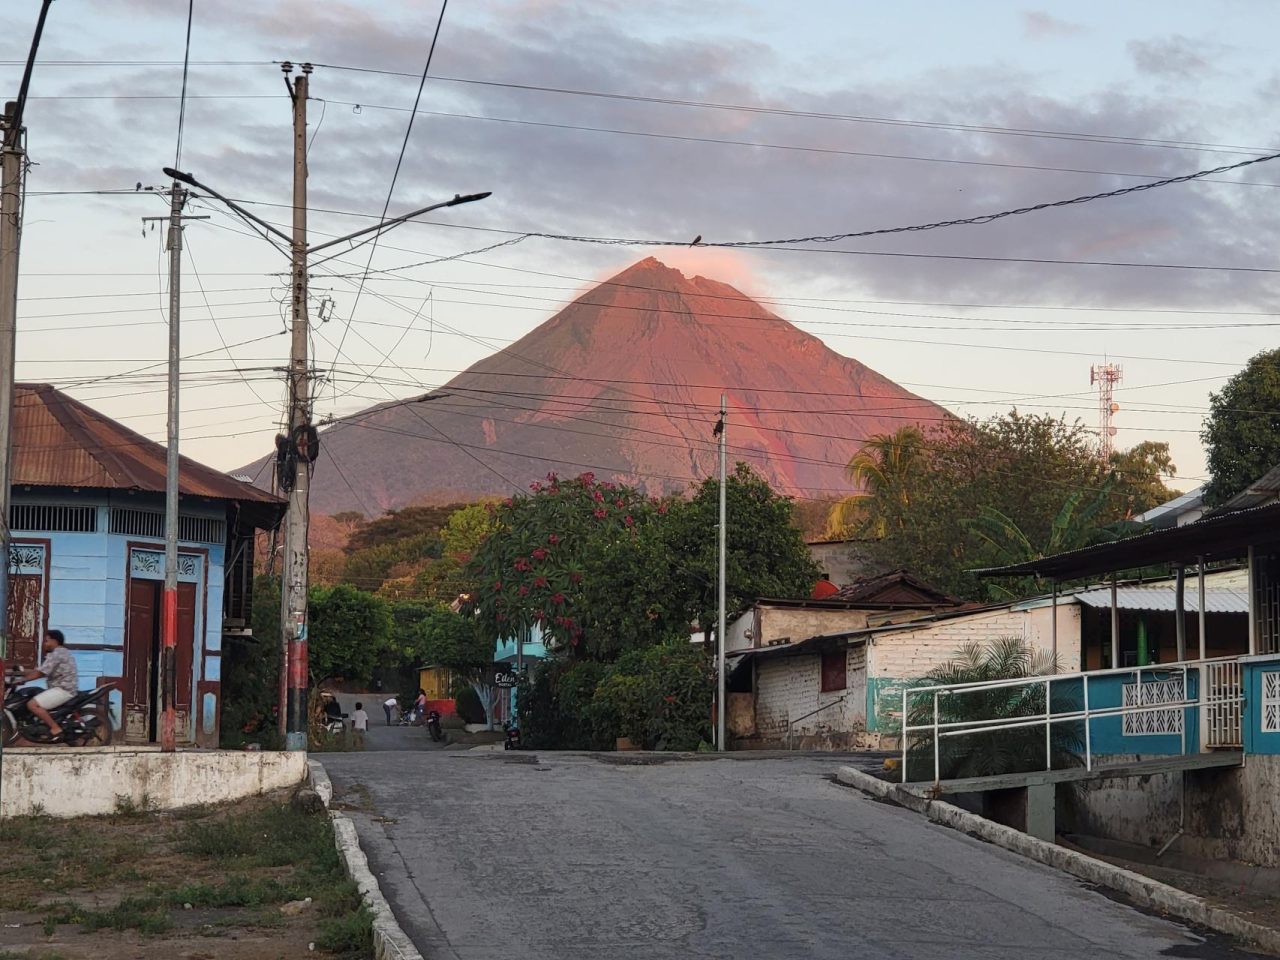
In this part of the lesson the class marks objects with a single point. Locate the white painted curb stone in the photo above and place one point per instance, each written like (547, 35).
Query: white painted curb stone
(390, 942)
(1141, 890)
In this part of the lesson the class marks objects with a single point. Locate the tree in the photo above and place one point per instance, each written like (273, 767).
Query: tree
(884, 469)
(1017, 468)
(992, 751)
(1242, 431)
(765, 554)
(535, 568)
(348, 633)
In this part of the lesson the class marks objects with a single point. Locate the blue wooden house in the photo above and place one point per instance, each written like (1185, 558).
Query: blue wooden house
(87, 558)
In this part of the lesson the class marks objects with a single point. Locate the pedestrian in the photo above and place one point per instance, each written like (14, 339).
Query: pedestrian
(359, 723)
(388, 706)
(420, 707)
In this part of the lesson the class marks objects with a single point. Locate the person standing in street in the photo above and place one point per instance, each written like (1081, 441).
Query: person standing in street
(388, 707)
(360, 724)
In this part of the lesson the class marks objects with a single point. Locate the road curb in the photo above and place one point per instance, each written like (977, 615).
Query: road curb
(1141, 890)
(390, 942)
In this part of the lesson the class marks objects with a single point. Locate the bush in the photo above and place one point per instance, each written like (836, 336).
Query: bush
(469, 706)
(554, 706)
(659, 697)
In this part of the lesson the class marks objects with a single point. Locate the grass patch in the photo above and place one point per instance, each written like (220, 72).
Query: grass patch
(147, 915)
(237, 891)
(350, 935)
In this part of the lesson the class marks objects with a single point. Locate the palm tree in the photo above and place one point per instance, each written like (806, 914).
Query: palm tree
(996, 750)
(882, 471)
(1074, 526)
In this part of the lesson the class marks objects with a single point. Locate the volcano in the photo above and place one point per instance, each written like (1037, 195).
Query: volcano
(624, 382)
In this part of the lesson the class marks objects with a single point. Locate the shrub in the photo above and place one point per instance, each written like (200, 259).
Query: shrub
(659, 697)
(554, 706)
(469, 706)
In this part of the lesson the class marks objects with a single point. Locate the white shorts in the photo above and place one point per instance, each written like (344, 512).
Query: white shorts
(52, 698)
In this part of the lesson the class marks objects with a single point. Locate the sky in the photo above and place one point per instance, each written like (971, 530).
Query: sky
(794, 120)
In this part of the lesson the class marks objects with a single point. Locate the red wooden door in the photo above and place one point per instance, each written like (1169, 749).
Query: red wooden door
(188, 597)
(26, 618)
(139, 650)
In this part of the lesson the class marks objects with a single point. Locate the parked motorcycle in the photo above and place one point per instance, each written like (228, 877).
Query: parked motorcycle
(433, 726)
(512, 741)
(85, 718)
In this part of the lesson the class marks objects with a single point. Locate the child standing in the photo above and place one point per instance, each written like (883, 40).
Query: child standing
(359, 723)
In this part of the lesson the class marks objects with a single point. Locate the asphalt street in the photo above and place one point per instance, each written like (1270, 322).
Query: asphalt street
(521, 855)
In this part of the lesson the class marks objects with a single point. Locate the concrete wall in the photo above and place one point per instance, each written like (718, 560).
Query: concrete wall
(1231, 814)
(788, 692)
(68, 782)
(842, 560)
(801, 623)
(898, 658)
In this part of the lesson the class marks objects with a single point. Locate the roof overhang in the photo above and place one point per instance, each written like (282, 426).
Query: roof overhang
(809, 646)
(1225, 536)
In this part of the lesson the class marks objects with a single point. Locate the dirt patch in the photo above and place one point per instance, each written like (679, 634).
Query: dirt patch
(256, 880)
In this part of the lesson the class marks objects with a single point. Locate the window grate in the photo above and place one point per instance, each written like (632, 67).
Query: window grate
(53, 517)
(147, 523)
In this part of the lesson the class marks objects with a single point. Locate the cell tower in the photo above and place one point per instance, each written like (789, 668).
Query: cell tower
(1105, 377)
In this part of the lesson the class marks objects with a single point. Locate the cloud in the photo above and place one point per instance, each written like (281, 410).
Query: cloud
(1175, 56)
(1040, 25)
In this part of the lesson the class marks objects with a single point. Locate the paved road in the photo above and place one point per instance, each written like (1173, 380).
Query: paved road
(574, 856)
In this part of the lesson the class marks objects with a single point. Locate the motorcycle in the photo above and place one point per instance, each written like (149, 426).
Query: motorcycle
(85, 718)
(433, 726)
(512, 741)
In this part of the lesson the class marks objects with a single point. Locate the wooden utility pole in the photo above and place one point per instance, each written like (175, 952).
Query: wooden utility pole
(293, 626)
(11, 160)
(721, 680)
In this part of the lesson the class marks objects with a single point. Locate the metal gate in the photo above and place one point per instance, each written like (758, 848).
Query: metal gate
(1221, 712)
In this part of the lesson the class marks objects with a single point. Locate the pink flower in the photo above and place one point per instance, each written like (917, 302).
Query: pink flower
(628, 521)
(524, 591)
(535, 486)
(587, 479)
(540, 553)
(540, 582)
(497, 586)
(508, 502)
(575, 577)
(557, 598)
(554, 538)
(552, 478)
(598, 497)
(618, 502)
(662, 509)
(599, 513)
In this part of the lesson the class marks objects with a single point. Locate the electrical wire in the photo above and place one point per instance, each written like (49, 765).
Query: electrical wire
(395, 175)
(182, 102)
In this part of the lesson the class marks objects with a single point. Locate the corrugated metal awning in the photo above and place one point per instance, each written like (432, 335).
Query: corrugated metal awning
(1163, 599)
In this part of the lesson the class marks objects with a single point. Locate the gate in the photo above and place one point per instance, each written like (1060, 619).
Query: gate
(1222, 704)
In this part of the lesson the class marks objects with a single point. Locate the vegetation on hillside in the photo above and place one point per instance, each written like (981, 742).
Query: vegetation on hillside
(1242, 431)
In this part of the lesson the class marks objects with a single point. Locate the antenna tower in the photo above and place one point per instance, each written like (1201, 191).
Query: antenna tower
(1105, 377)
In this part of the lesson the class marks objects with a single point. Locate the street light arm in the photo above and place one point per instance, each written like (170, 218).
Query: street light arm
(383, 226)
(189, 179)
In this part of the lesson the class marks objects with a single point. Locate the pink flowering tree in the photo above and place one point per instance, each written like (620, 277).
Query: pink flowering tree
(561, 558)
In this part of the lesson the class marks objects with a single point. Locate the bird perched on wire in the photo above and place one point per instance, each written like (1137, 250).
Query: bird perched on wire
(696, 240)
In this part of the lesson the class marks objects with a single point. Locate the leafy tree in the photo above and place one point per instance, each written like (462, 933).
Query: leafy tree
(765, 554)
(397, 525)
(370, 567)
(349, 633)
(1019, 469)
(992, 751)
(884, 469)
(1242, 431)
(447, 639)
(533, 569)
(251, 674)
(465, 530)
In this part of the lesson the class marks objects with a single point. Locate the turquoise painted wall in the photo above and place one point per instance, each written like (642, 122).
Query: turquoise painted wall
(1262, 707)
(1107, 734)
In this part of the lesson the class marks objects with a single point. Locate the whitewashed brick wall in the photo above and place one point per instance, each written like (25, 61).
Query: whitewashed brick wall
(913, 653)
(788, 688)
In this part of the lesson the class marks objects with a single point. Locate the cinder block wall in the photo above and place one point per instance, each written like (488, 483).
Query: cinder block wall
(789, 688)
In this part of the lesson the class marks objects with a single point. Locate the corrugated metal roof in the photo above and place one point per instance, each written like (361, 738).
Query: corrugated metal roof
(1164, 599)
(60, 442)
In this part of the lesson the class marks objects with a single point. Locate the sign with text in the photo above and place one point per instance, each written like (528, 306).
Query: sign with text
(505, 676)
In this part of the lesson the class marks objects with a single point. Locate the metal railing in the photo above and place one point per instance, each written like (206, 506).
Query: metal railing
(1218, 700)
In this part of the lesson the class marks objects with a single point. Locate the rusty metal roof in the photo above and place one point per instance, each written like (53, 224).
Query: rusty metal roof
(60, 442)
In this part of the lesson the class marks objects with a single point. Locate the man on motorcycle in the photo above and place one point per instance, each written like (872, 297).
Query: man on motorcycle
(59, 669)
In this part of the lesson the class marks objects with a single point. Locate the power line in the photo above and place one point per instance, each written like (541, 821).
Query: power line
(395, 175)
(182, 102)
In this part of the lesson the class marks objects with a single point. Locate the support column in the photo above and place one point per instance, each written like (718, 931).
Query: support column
(1253, 613)
(1200, 617)
(1053, 628)
(1115, 626)
(1180, 612)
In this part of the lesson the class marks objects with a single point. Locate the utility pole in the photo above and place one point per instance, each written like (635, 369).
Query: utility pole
(298, 447)
(11, 160)
(169, 605)
(293, 628)
(722, 680)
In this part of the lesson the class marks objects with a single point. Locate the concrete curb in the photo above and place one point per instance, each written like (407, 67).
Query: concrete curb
(1141, 890)
(390, 942)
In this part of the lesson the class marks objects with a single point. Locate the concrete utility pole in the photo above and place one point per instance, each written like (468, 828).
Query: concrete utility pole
(721, 679)
(293, 626)
(298, 448)
(11, 160)
(169, 606)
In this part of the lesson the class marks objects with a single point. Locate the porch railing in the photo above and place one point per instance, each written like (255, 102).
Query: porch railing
(1157, 702)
